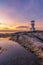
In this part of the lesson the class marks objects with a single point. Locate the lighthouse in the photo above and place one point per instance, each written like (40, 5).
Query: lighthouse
(32, 25)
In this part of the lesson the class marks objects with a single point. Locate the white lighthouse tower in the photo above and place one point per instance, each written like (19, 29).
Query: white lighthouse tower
(32, 25)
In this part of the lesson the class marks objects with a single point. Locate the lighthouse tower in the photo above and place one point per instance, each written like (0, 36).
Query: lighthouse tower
(32, 25)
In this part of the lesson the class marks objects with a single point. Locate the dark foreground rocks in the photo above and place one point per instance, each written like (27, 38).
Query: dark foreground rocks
(28, 44)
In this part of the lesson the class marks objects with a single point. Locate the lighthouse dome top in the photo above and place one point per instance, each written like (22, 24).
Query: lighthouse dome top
(32, 21)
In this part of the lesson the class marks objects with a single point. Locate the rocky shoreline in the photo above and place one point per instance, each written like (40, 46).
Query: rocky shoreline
(26, 41)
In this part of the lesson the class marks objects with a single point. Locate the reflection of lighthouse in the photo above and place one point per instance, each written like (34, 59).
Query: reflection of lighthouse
(33, 25)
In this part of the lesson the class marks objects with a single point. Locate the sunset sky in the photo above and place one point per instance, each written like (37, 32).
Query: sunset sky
(17, 14)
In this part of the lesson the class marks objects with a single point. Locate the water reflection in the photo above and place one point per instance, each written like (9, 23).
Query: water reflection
(13, 54)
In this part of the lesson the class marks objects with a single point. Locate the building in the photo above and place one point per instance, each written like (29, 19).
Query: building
(32, 25)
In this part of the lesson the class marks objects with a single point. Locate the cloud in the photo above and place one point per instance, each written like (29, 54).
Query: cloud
(22, 27)
(0, 23)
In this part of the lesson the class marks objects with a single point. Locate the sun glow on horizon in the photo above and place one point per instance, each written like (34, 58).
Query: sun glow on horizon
(6, 25)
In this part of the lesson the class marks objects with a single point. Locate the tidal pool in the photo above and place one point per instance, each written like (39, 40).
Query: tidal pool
(11, 53)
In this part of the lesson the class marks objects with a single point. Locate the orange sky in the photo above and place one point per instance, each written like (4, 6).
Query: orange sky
(8, 23)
